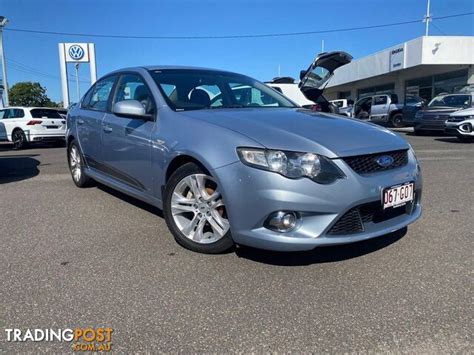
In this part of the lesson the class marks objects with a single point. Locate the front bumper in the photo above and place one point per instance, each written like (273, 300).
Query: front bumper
(463, 128)
(430, 125)
(251, 195)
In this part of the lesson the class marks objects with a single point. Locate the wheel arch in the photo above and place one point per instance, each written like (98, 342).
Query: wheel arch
(179, 161)
(16, 128)
(69, 139)
(394, 112)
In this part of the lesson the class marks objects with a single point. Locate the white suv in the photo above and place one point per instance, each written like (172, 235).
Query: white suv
(461, 125)
(22, 125)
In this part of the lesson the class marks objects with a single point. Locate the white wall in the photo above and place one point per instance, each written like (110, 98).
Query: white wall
(448, 50)
(440, 50)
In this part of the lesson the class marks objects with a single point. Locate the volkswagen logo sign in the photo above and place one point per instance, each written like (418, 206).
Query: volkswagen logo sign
(76, 52)
(384, 161)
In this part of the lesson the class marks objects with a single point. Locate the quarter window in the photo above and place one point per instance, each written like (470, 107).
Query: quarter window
(98, 96)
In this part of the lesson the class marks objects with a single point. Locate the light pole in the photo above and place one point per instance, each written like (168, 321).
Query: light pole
(3, 22)
(427, 19)
(77, 83)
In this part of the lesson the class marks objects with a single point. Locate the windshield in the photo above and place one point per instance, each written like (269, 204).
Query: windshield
(43, 112)
(451, 101)
(186, 89)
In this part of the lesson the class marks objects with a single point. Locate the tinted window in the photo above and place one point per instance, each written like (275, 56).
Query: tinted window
(12, 113)
(411, 100)
(132, 87)
(41, 112)
(203, 89)
(380, 100)
(451, 101)
(97, 98)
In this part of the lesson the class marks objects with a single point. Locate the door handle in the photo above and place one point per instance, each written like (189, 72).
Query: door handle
(80, 121)
(107, 129)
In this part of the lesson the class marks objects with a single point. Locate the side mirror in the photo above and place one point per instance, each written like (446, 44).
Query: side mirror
(131, 108)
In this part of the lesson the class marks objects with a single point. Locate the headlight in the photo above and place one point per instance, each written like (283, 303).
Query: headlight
(293, 165)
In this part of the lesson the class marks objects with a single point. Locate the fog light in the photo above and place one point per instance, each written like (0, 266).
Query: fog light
(466, 127)
(282, 221)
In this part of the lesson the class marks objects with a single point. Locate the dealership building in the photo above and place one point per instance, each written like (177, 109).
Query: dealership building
(425, 66)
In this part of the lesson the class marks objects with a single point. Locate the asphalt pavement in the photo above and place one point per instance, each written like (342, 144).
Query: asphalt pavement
(93, 257)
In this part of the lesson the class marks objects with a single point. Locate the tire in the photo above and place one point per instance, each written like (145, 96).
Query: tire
(19, 139)
(396, 120)
(195, 212)
(76, 166)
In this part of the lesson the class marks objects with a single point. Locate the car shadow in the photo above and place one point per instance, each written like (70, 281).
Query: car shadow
(451, 140)
(5, 146)
(132, 200)
(427, 134)
(317, 256)
(323, 254)
(18, 167)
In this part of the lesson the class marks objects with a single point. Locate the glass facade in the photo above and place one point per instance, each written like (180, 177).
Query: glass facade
(430, 86)
(344, 95)
(376, 90)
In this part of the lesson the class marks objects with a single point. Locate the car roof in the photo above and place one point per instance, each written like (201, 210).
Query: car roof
(169, 67)
(455, 94)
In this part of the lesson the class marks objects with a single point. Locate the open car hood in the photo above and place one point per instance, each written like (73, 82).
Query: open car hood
(315, 78)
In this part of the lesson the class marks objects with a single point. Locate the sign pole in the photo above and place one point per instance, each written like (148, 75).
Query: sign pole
(64, 81)
(92, 65)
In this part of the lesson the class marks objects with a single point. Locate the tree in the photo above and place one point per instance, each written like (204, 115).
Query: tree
(27, 93)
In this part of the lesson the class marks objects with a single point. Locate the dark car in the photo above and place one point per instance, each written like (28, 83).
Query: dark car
(413, 104)
(433, 116)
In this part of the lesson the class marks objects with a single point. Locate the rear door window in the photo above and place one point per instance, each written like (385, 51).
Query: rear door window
(380, 100)
(12, 113)
(98, 97)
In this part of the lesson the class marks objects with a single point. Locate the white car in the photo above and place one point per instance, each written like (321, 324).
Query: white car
(461, 124)
(341, 103)
(290, 89)
(23, 125)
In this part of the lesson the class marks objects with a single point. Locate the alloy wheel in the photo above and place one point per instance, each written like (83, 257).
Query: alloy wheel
(198, 210)
(75, 163)
(18, 139)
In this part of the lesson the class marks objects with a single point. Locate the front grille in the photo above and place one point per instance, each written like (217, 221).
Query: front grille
(353, 221)
(366, 164)
(349, 223)
(458, 119)
(435, 117)
(432, 123)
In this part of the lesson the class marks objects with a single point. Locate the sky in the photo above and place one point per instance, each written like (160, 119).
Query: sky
(34, 57)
